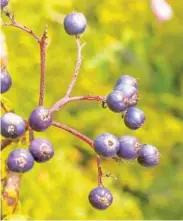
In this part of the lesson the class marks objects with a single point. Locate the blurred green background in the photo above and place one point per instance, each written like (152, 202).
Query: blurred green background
(122, 36)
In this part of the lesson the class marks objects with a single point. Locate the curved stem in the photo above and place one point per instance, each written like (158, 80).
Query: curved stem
(61, 103)
(77, 67)
(74, 132)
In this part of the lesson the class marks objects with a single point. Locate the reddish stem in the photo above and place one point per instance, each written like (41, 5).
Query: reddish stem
(3, 107)
(61, 103)
(43, 67)
(74, 132)
(24, 28)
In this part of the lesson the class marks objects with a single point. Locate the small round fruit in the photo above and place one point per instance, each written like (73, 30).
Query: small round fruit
(106, 145)
(20, 160)
(129, 147)
(75, 23)
(116, 101)
(127, 79)
(134, 118)
(130, 92)
(3, 3)
(100, 198)
(41, 149)
(5, 79)
(12, 126)
(40, 119)
(148, 156)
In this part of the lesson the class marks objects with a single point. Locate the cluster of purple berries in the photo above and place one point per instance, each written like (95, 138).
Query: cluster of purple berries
(40, 149)
(122, 99)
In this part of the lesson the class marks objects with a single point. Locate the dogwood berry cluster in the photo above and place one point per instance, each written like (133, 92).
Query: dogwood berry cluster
(123, 98)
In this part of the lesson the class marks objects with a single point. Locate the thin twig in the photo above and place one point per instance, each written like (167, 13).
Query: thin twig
(100, 174)
(3, 107)
(13, 23)
(74, 132)
(43, 66)
(61, 103)
(77, 67)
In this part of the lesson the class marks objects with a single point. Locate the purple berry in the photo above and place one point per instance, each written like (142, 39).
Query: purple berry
(12, 126)
(75, 23)
(130, 92)
(134, 118)
(116, 101)
(106, 145)
(5, 79)
(40, 119)
(41, 149)
(127, 79)
(100, 198)
(129, 147)
(148, 156)
(20, 160)
(3, 3)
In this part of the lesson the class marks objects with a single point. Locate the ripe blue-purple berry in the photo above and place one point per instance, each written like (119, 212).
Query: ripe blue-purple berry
(12, 126)
(116, 101)
(129, 147)
(3, 3)
(20, 160)
(5, 79)
(130, 92)
(40, 119)
(41, 149)
(106, 145)
(134, 118)
(75, 23)
(100, 198)
(148, 156)
(127, 79)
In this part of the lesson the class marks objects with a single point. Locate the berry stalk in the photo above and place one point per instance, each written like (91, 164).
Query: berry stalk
(77, 67)
(62, 102)
(74, 132)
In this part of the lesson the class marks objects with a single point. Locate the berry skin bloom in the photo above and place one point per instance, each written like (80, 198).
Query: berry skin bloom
(127, 79)
(148, 156)
(100, 198)
(12, 126)
(130, 92)
(3, 3)
(20, 160)
(75, 23)
(41, 149)
(116, 101)
(106, 145)
(134, 118)
(129, 147)
(40, 119)
(5, 79)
